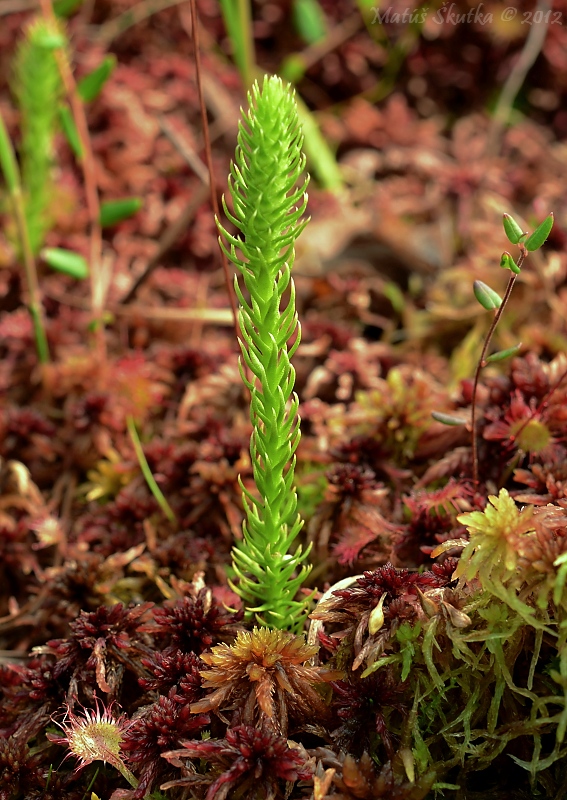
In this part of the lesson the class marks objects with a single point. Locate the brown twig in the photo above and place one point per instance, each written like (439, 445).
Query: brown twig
(337, 36)
(184, 149)
(17, 6)
(168, 239)
(214, 316)
(116, 27)
(172, 233)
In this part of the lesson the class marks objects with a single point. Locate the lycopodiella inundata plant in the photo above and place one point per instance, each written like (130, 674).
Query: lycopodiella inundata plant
(38, 88)
(269, 200)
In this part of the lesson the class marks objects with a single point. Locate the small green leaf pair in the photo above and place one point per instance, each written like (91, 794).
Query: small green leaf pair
(487, 297)
(73, 264)
(517, 236)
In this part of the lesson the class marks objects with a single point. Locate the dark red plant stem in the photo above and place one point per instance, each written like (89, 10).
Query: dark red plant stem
(481, 362)
(209, 158)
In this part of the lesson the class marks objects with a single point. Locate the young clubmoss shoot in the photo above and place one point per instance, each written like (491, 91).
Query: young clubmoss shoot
(269, 201)
(38, 87)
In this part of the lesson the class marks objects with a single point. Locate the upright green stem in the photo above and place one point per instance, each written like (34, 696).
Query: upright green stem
(238, 22)
(125, 772)
(146, 471)
(12, 177)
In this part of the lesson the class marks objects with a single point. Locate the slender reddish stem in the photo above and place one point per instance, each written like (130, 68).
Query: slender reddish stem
(482, 363)
(209, 158)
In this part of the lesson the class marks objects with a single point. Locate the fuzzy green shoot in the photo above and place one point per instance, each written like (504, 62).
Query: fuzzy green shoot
(37, 86)
(269, 201)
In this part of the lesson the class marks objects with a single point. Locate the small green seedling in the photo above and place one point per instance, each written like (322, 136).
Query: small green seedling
(491, 301)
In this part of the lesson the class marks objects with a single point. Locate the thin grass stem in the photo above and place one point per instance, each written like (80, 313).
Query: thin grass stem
(147, 473)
